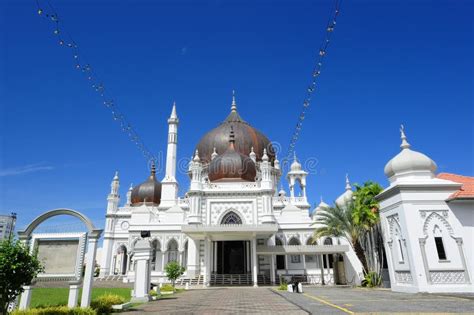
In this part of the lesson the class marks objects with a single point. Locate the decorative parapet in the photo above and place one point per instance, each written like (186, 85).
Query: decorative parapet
(248, 228)
(232, 186)
(282, 201)
(302, 249)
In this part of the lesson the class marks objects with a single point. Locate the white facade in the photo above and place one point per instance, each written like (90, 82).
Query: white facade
(428, 234)
(7, 225)
(228, 227)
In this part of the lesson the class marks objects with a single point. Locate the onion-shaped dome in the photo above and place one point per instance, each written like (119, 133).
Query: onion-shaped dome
(347, 196)
(295, 166)
(148, 192)
(232, 165)
(246, 137)
(409, 162)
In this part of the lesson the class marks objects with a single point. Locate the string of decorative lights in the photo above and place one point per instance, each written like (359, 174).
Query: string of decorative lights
(46, 10)
(314, 77)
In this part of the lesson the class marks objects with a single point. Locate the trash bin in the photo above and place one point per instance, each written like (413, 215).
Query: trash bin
(300, 288)
(290, 288)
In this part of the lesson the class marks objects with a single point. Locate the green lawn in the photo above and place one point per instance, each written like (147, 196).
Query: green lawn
(59, 296)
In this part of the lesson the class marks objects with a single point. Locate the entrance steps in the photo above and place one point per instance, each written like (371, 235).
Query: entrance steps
(231, 279)
(198, 280)
(110, 278)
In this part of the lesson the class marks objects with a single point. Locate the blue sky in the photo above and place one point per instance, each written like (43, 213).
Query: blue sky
(390, 62)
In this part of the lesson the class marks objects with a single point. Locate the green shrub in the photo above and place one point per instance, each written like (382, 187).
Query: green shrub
(103, 304)
(56, 310)
(283, 287)
(153, 293)
(167, 288)
(372, 279)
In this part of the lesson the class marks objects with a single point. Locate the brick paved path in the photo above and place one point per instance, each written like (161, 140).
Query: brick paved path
(221, 301)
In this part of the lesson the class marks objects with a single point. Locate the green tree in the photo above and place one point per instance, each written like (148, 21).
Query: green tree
(173, 271)
(339, 222)
(366, 207)
(18, 267)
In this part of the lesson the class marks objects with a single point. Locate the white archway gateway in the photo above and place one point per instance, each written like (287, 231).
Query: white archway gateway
(91, 236)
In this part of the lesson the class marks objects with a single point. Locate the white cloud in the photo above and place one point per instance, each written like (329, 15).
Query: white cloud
(20, 170)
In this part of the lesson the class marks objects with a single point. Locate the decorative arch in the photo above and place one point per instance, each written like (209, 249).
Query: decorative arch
(92, 231)
(279, 241)
(311, 241)
(231, 216)
(434, 218)
(157, 241)
(118, 246)
(294, 241)
(328, 241)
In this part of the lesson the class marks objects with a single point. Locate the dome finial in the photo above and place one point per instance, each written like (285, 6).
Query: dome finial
(214, 153)
(348, 183)
(116, 176)
(234, 104)
(265, 156)
(405, 144)
(196, 156)
(252, 154)
(153, 168)
(232, 136)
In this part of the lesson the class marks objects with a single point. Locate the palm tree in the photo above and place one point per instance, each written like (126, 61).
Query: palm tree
(339, 222)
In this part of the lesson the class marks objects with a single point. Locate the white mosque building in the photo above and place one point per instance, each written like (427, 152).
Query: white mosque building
(233, 226)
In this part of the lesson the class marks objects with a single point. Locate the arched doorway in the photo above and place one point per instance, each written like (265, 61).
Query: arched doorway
(156, 255)
(121, 261)
(172, 251)
(280, 258)
(232, 256)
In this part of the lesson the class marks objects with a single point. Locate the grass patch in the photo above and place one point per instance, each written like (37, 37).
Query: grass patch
(59, 296)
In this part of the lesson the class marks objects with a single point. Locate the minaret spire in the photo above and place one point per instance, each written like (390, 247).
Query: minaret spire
(348, 183)
(234, 103)
(405, 144)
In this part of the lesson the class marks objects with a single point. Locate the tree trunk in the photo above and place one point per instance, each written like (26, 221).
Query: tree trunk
(360, 254)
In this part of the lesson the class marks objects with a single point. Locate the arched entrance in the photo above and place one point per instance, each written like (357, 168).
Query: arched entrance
(232, 256)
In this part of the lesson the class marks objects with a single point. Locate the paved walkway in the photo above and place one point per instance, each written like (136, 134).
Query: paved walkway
(221, 301)
(331, 300)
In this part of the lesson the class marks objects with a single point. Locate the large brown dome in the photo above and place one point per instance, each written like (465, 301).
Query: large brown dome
(246, 137)
(232, 165)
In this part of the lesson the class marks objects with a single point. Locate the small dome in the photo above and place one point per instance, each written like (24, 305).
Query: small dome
(295, 166)
(232, 165)
(322, 206)
(347, 196)
(409, 161)
(148, 192)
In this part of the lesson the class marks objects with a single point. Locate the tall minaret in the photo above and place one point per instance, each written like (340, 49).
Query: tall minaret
(169, 190)
(113, 198)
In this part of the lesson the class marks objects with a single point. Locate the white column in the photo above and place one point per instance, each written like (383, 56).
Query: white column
(254, 262)
(90, 266)
(272, 269)
(328, 268)
(247, 251)
(207, 261)
(304, 263)
(73, 293)
(163, 261)
(193, 260)
(215, 257)
(25, 297)
(322, 268)
(105, 265)
(142, 282)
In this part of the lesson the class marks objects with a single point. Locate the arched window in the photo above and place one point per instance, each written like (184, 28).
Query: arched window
(328, 241)
(155, 255)
(311, 241)
(295, 259)
(231, 218)
(280, 259)
(172, 251)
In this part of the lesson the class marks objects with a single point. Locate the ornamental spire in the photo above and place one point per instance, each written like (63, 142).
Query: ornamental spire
(234, 104)
(348, 183)
(405, 144)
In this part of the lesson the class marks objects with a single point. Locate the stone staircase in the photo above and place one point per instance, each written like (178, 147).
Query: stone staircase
(198, 280)
(231, 279)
